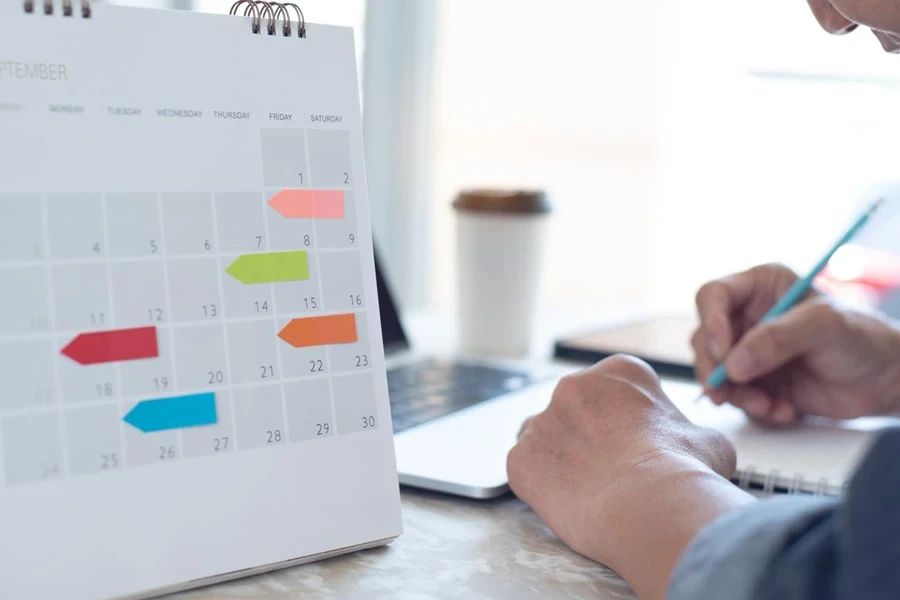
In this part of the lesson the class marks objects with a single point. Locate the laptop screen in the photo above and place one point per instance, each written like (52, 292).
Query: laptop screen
(391, 328)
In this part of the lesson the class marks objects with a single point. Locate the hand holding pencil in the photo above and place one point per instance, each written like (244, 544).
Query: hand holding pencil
(772, 345)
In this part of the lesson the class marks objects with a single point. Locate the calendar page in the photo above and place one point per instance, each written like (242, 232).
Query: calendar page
(192, 378)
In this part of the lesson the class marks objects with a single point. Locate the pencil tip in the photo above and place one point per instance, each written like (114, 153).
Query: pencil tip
(876, 205)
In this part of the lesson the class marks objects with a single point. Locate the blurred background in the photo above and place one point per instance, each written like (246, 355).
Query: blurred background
(678, 141)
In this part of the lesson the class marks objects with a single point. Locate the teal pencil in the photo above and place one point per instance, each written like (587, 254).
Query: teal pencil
(796, 292)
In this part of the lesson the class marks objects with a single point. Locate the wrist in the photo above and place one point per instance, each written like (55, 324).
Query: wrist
(649, 517)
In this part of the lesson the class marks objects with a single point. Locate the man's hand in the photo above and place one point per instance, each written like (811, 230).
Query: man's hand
(843, 16)
(620, 474)
(816, 359)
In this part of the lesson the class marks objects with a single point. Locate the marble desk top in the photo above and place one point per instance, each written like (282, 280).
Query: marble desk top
(451, 548)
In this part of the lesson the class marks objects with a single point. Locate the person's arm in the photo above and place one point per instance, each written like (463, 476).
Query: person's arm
(644, 530)
(621, 476)
(804, 548)
(733, 557)
(615, 469)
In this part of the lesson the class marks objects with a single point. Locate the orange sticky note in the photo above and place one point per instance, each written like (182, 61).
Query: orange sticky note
(320, 331)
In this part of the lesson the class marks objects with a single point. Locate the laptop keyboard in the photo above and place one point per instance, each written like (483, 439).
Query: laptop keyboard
(430, 389)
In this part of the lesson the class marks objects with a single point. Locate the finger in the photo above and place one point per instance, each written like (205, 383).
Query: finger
(783, 412)
(720, 395)
(830, 18)
(704, 363)
(759, 405)
(772, 345)
(523, 428)
(526, 462)
(889, 41)
(779, 415)
(516, 472)
(716, 301)
(752, 400)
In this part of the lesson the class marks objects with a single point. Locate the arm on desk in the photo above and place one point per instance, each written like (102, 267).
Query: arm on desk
(804, 548)
(619, 473)
(621, 476)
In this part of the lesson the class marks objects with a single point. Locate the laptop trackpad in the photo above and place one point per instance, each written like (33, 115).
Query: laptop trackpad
(465, 453)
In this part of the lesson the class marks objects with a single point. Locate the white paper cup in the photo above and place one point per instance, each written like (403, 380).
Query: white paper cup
(500, 245)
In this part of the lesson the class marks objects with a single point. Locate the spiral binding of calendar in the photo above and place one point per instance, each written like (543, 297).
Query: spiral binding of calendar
(68, 7)
(271, 13)
(749, 478)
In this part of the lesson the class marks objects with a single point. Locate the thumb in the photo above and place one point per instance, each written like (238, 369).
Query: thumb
(772, 345)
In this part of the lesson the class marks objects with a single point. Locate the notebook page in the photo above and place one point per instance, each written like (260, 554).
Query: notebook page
(815, 456)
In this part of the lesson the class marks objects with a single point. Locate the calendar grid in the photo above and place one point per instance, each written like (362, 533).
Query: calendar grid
(130, 263)
(133, 397)
(110, 306)
(57, 262)
(171, 325)
(272, 291)
(170, 335)
(51, 323)
(331, 400)
(225, 388)
(220, 273)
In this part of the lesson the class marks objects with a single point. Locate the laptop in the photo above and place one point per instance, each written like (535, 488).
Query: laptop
(455, 419)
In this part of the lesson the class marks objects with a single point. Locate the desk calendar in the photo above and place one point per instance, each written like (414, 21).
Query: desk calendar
(192, 380)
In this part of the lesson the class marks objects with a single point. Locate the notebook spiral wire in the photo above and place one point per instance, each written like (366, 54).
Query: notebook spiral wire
(796, 484)
(745, 476)
(68, 7)
(750, 477)
(769, 482)
(271, 13)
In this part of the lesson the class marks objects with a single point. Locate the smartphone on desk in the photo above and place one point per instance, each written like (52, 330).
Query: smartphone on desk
(664, 342)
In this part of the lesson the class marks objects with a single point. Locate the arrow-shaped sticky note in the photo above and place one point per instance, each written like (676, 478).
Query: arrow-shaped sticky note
(273, 267)
(113, 346)
(320, 331)
(164, 414)
(309, 204)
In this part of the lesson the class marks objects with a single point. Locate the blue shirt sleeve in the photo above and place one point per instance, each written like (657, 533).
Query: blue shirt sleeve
(803, 548)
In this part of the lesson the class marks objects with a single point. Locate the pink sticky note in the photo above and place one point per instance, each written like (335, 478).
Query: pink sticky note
(309, 204)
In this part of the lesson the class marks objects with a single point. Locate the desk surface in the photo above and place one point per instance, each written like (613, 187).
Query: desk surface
(451, 547)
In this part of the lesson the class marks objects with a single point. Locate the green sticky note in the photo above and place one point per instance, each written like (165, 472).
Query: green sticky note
(271, 267)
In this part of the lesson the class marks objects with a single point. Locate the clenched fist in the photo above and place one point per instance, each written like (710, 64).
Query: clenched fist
(606, 459)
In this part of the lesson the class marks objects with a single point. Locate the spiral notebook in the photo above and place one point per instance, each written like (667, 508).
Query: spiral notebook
(815, 457)
(192, 379)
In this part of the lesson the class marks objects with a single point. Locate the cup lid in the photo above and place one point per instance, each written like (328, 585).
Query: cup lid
(508, 202)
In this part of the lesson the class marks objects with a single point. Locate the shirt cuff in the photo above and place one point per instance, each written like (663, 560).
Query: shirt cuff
(730, 556)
